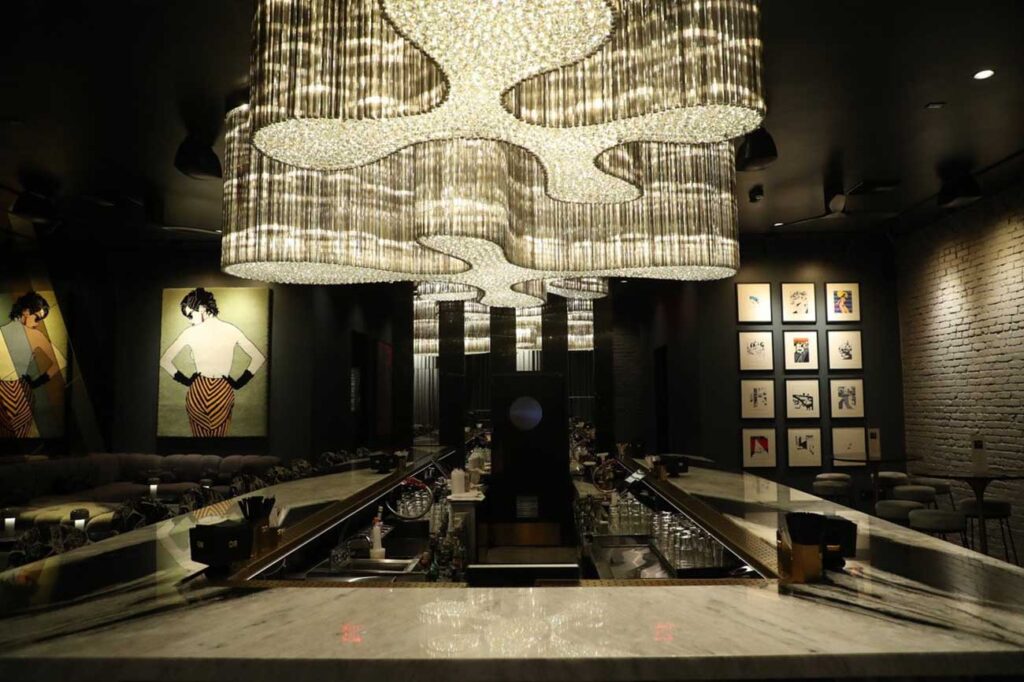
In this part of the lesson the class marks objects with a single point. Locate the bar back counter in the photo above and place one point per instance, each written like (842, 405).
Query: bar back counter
(907, 605)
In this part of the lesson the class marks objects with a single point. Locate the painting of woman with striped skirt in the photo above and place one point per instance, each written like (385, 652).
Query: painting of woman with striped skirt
(214, 360)
(29, 361)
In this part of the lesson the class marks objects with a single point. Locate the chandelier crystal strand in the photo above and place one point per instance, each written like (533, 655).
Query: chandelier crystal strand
(528, 328)
(582, 288)
(477, 321)
(425, 327)
(580, 313)
(446, 291)
(484, 49)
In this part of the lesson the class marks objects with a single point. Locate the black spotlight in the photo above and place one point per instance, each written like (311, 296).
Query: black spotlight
(756, 193)
(959, 192)
(197, 160)
(757, 152)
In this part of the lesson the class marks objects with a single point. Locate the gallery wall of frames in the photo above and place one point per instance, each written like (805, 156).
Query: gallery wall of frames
(795, 362)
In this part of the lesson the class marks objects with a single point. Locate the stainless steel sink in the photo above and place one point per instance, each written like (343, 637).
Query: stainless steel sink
(377, 566)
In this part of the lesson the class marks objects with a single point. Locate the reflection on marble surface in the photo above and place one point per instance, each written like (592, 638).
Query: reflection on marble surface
(871, 620)
(760, 506)
(157, 555)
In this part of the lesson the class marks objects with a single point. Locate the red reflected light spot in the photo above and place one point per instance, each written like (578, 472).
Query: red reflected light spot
(664, 632)
(351, 633)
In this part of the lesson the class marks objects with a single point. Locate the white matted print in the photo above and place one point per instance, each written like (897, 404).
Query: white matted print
(801, 350)
(756, 352)
(848, 448)
(754, 302)
(842, 300)
(802, 399)
(847, 398)
(804, 447)
(758, 448)
(757, 399)
(798, 302)
(844, 350)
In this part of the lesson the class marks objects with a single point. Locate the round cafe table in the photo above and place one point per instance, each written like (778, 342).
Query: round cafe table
(875, 465)
(978, 479)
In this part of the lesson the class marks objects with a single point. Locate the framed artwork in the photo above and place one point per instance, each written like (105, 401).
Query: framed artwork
(802, 399)
(848, 447)
(757, 399)
(804, 447)
(33, 364)
(842, 300)
(213, 374)
(801, 350)
(758, 448)
(798, 302)
(756, 352)
(844, 350)
(847, 398)
(754, 302)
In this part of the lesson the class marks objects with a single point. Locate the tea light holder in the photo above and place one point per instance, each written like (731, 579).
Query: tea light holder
(10, 520)
(206, 483)
(79, 518)
(154, 483)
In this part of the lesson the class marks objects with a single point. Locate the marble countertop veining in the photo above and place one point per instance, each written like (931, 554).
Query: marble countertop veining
(869, 621)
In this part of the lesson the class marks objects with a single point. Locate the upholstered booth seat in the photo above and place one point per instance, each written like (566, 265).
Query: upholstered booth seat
(831, 488)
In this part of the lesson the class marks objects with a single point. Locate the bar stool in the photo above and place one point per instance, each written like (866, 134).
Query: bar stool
(834, 490)
(897, 511)
(833, 476)
(939, 522)
(887, 480)
(942, 487)
(918, 493)
(995, 510)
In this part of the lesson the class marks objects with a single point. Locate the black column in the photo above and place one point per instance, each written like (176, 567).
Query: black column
(555, 331)
(503, 341)
(604, 383)
(451, 370)
(402, 373)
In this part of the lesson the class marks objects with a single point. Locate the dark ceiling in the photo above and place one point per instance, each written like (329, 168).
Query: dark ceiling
(96, 96)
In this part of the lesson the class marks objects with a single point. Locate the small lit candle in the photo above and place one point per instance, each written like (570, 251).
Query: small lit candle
(10, 520)
(153, 484)
(80, 517)
(205, 483)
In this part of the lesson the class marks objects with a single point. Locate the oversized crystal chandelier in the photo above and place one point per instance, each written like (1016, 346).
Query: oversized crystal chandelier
(489, 146)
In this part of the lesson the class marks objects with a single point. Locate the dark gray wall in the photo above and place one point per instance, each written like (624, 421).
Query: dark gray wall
(696, 323)
(310, 351)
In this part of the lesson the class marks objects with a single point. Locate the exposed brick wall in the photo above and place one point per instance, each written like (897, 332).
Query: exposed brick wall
(961, 303)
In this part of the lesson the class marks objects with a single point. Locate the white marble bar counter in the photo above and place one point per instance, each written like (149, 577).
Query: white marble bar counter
(869, 621)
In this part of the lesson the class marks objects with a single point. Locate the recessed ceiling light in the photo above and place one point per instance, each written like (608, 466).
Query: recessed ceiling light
(778, 224)
(934, 105)
(984, 74)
